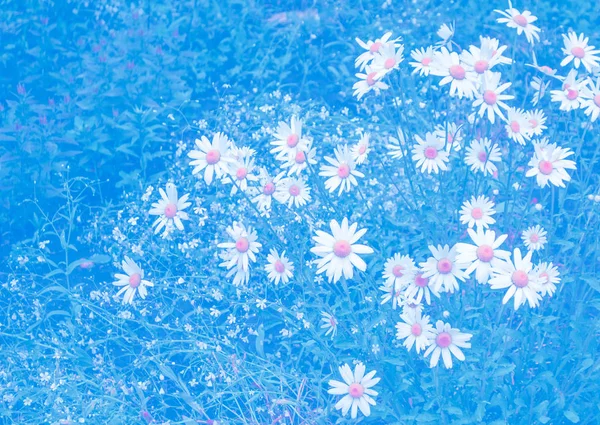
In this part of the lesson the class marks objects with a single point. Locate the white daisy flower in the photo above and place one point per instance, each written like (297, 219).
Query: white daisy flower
(570, 96)
(484, 255)
(517, 275)
(288, 140)
(483, 59)
(342, 172)
(518, 126)
(416, 330)
(534, 238)
(387, 59)
(369, 81)
(430, 154)
(443, 269)
(304, 157)
(279, 267)
(399, 271)
(169, 210)
(477, 212)
(330, 323)
(268, 187)
(293, 191)
(482, 154)
(422, 60)
(537, 120)
(210, 157)
(419, 288)
(578, 51)
(131, 282)
(243, 248)
(448, 341)
(449, 66)
(445, 32)
(372, 49)
(548, 277)
(523, 22)
(356, 389)
(339, 251)
(390, 293)
(549, 165)
(591, 100)
(490, 98)
(240, 171)
(361, 150)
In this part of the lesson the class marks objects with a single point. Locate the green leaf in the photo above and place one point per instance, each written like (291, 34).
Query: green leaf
(572, 416)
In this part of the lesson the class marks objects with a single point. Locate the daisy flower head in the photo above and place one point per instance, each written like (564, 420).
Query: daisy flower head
(388, 59)
(518, 126)
(419, 288)
(288, 139)
(131, 282)
(549, 165)
(522, 22)
(484, 255)
(279, 267)
(578, 51)
(372, 49)
(169, 210)
(430, 154)
(356, 390)
(591, 100)
(293, 191)
(361, 150)
(537, 121)
(548, 277)
(570, 95)
(443, 269)
(477, 212)
(482, 59)
(390, 293)
(450, 134)
(368, 81)
(339, 251)
(423, 59)
(268, 187)
(305, 156)
(445, 32)
(330, 323)
(447, 342)
(534, 238)
(517, 277)
(415, 329)
(449, 66)
(398, 271)
(395, 145)
(240, 171)
(341, 172)
(242, 248)
(490, 99)
(481, 156)
(212, 157)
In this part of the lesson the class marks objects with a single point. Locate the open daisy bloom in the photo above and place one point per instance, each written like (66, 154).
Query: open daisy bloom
(415, 329)
(279, 267)
(399, 271)
(423, 59)
(477, 212)
(482, 154)
(490, 98)
(169, 210)
(368, 81)
(329, 323)
(549, 164)
(288, 140)
(521, 21)
(571, 96)
(443, 269)
(293, 191)
(461, 78)
(447, 341)
(517, 275)
(342, 172)
(210, 157)
(430, 154)
(548, 277)
(339, 251)
(373, 48)
(356, 389)
(578, 51)
(242, 249)
(518, 126)
(484, 256)
(591, 99)
(131, 282)
(534, 237)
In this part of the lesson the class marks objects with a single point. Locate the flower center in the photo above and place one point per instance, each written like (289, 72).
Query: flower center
(294, 190)
(241, 173)
(171, 210)
(421, 281)
(489, 97)
(444, 266)
(416, 329)
(425, 61)
(533, 123)
(430, 152)
(515, 127)
(300, 157)
(269, 189)
(597, 100)
(477, 213)
(572, 94)
(534, 238)
(520, 20)
(242, 245)
(482, 156)
(457, 72)
(520, 278)
(279, 267)
(135, 280)
(397, 271)
(389, 63)
(444, 339)
(292, 140)
(342, 249)
(213, 156)
(481, 66)
(578, 52)
(375, 47)
(356, 390)
(546, 167)
(371, 78)
(343, 171)
(544, 278)
(485, 253)
(362, 149)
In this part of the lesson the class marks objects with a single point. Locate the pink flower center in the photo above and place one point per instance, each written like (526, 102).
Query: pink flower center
(544, 278)
(389, 63)
(515, 127)
(135, 280)
(520, 20)
(356, 390)
(397, 271)
(430, 152)
(292, 140)
(533, 123)
(242, 245)
(416, 329)
(362, 149)
(375, 47)
(485, 253)
(578, 52)
(421, 281)
(241, 173)
(444, 266)
(371, 78)
(477, 213)
(300, 157)
(213, 156)
(171, 210)
(489, 97)
(343, 171)
(520, 278)
(534, 238)
(481, 66)
(597, 100)
(457, 72)
(425, 61)
(342, 249)
(269, 189)
(279, 267)
(572, 94)
(482, 156)
(294, 190)
(444, 339)
(546, 167)
(546, 69)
